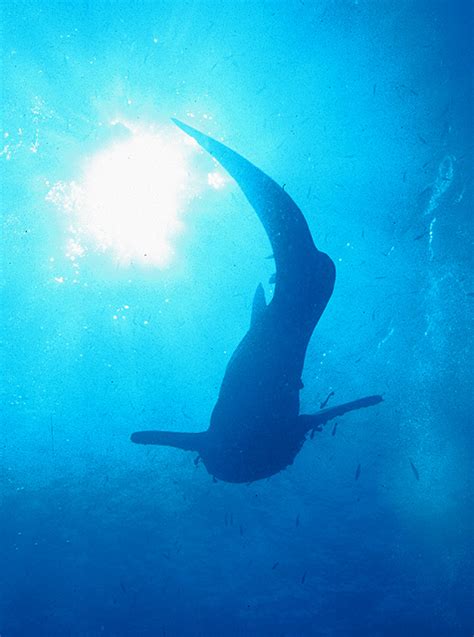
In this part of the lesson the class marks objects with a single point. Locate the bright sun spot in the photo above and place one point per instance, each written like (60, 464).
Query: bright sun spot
(128, 200)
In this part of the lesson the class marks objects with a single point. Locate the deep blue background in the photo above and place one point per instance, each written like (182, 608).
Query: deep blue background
(364, 110)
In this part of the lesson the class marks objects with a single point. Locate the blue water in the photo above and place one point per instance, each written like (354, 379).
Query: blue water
(364, 110)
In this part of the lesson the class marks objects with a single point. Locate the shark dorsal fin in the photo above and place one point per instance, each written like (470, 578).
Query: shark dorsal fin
(259, 304)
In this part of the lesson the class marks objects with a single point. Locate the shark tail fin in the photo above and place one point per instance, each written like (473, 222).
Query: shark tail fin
(305, 276)
(313, 421)
(282, 219)
(180, 440)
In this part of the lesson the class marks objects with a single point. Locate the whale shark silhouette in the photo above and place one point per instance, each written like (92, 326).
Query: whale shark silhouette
(255, 428)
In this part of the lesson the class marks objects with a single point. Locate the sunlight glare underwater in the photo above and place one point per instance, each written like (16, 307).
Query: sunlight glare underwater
(130, 199)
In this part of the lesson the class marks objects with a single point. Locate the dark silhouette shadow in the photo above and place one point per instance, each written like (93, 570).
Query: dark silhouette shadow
(256, 430)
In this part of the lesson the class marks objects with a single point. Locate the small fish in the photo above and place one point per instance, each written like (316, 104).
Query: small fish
(374, 89)
(333, 433)
(325, 402)
(357, 473)
(406, 89)
(469, 293)
(122, 586)
(275, 565)
(422, 139)
(420, 236)
(297, 521)
(241, 530)
(415, 470)
(304, 577)
(272, 279)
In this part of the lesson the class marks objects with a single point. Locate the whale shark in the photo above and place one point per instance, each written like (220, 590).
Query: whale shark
(255, 428)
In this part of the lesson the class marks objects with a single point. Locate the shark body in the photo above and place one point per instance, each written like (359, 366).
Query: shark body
(256, 429)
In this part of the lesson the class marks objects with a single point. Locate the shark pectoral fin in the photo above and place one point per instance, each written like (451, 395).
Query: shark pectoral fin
(259, 304)
(180, 440)
(313, 421)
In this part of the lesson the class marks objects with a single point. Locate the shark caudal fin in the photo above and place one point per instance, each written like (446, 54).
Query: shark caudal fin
(283, 221)
(185, 441)
(313, 421)
(304, 275)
